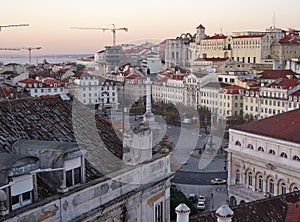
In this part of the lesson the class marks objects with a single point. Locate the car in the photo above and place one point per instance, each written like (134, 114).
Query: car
(192, 197)
(201, 205)
(201, 198)
(218, 181)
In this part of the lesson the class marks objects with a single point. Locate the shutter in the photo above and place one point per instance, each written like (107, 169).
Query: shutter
(21, 185)
(73, 163)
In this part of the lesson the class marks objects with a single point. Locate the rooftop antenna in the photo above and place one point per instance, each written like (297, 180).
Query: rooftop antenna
(274, 19)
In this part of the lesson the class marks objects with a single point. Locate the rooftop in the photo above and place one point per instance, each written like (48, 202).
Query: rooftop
(270, 209)
(53, 119)
(287, 126)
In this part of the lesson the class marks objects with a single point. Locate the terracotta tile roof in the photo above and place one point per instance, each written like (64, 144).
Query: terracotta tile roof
(247, 36)
(285, 83)
(276, 74)
(212, 59)
(290, 39)
(231, 89)
(52, 119)
(287, 126)
(273, 209)
(217, 36)
(293, 214)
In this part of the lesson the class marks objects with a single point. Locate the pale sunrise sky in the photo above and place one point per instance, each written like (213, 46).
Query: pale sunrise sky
(50, 21)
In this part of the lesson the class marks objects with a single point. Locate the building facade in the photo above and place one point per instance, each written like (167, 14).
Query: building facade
(263, 158)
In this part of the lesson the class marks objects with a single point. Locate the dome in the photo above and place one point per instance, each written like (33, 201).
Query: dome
(224, 212)
(182, 208)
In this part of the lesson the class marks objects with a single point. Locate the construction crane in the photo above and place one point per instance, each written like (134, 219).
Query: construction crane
(29, 51)
(27, 48)
(9, 26)
(113, 29)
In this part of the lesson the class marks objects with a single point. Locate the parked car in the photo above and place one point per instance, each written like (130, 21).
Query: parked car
(218, 181)
(201, 205)
(201, 198)
(192, 197)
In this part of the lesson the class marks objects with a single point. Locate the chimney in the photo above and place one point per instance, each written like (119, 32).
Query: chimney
(224, 214)
(182, 212)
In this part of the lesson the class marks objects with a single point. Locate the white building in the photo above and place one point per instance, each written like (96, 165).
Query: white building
(46, 86)
(169, 89)
(92, 90)
(264, 158)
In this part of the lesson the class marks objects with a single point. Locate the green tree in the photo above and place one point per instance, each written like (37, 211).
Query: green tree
(177, 197)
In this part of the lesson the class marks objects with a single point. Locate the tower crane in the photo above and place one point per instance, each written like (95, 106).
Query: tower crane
(29, 51)
(113, 29)
(9, 26)
(27, 48)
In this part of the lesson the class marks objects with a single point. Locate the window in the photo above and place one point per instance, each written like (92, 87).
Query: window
(271, 184)
(158, 212)
(250, 179)
(21, 191)
(238, 143)
(250, 146)
(237, 177)
(283, 154)
(260, 183)
(73, 172)
(296, 158)
(272, 152)
(260, 149)
(283, 188)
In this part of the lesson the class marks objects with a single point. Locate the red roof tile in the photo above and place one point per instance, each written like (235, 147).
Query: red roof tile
(290, 39)
(212, 59)
(231, 89)
(217, 36)
(276, 74)
(287, 126)
(285, 83)
(248, 36)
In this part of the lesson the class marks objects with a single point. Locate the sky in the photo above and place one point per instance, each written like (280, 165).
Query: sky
(50, 21)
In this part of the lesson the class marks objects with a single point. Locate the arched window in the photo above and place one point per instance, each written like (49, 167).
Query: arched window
(295, 189)
(272, 152)
(260, 183)
(271, 186)
(283, 188)
(296, 158)
(283, 154)
(261, 149)
(238, 143)
(237, 177)
(250, 146)
(250, 179)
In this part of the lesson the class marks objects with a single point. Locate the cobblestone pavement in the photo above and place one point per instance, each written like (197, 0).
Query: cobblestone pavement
(216, 165)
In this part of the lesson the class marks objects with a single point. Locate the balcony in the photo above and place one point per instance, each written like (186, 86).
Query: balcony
(245, 193)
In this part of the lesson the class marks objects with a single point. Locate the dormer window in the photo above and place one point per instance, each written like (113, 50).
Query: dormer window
(73, 169)
(21, 191)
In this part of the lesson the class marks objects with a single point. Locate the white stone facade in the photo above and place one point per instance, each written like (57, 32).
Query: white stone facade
(260, 166)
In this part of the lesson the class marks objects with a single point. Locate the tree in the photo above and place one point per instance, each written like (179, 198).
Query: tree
(177, 197)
